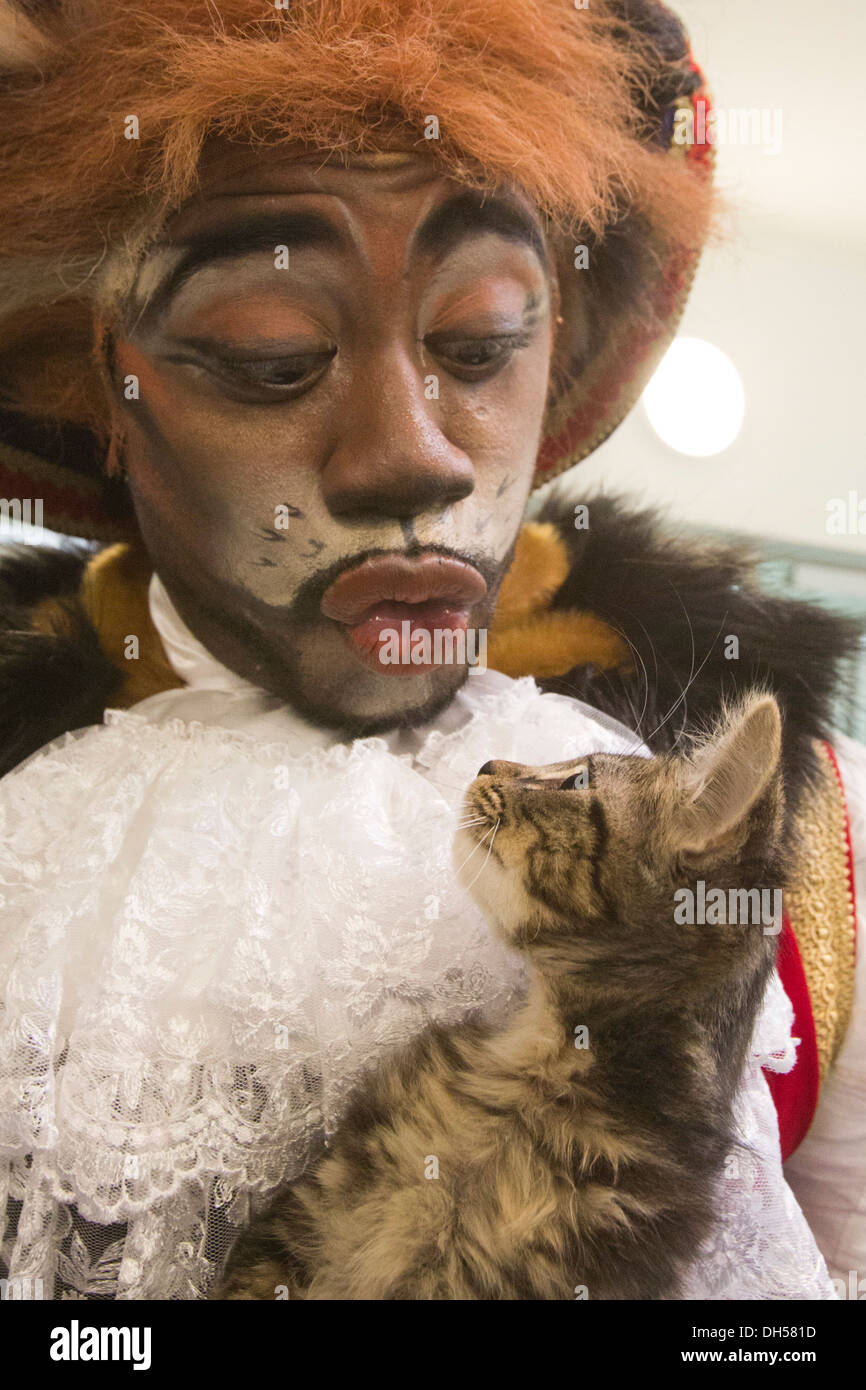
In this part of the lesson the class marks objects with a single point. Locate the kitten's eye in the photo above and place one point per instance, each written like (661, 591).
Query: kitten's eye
(577, 779)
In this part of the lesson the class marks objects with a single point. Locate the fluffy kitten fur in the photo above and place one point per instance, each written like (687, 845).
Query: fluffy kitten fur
(561, 1168)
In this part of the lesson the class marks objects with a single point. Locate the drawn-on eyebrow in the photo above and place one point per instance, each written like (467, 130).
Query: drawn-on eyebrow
(470, 214)
(259, 232)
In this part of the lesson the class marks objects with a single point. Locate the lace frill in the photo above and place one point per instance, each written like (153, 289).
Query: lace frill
(762, 1247)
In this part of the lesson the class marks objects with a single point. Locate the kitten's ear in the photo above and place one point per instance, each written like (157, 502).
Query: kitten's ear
(727, 777)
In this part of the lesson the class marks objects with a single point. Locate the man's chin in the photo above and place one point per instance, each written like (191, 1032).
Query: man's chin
(361, 703)
(309, 665)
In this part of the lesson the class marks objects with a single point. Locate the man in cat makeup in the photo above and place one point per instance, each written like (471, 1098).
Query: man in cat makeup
(317, 302)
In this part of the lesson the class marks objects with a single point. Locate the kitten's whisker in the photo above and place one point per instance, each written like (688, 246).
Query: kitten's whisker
(695, 673)
(635, 650)
(487, 856)
(646, 694)
(475, 847)
(637, 720)
(636, 653)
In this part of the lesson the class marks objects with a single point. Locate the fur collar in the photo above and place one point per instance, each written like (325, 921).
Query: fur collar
(630, 619)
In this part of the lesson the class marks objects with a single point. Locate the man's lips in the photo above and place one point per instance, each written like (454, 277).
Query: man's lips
(410, 596)
(397, 578)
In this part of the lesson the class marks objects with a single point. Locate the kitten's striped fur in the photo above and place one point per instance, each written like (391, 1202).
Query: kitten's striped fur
(560, 1168)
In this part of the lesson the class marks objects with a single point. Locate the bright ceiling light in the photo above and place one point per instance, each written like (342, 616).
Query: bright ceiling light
(696, 401)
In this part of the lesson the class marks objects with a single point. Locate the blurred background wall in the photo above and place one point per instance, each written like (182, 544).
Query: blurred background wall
(784, 297)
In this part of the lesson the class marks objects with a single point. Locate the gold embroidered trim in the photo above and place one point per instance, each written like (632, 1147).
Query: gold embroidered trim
(820, 906)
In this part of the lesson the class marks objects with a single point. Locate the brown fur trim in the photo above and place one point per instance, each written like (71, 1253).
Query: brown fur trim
(114, 596)
(526, 639)
(540, 566)
(547, 644)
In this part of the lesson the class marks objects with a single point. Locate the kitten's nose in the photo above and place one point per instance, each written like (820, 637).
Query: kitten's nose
(498, 768)
(485, 771)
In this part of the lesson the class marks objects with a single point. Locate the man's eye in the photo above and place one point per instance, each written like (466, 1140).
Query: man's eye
(255, 380)
(277, 374)
(472, 358)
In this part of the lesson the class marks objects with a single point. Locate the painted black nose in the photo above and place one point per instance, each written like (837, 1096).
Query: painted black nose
(485, 771)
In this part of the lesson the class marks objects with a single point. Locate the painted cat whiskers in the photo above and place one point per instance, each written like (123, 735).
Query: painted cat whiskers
(574, 1151)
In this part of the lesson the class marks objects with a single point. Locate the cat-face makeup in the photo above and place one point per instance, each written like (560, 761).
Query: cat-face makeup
(376, 388)
(583, 862)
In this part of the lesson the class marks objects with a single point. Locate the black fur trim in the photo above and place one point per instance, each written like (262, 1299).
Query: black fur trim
(29, 573)
(675, 601)
(49, 683)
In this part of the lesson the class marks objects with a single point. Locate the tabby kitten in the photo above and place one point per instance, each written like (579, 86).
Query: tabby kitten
(574, 1151)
